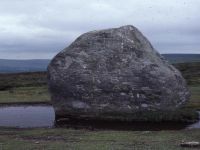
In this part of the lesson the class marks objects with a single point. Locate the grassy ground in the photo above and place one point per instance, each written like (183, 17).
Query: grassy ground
(195, 98)
(35, 79)
(25, 94)
(24, 87)
(191, 72)
(59, 139)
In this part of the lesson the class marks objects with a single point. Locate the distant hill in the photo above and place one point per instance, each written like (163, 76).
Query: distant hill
(15, 66)
(182, 58)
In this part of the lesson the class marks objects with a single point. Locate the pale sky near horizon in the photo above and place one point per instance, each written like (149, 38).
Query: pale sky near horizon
(38, 29)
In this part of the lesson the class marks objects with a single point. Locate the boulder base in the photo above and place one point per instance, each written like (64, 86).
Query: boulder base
(114, 72)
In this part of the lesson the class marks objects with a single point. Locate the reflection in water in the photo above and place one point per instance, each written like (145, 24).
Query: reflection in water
(44, 116)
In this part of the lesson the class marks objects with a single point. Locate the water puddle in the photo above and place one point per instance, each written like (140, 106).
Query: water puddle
(27, 116)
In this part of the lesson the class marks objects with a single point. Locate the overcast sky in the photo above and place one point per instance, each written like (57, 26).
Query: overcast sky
(41, 28)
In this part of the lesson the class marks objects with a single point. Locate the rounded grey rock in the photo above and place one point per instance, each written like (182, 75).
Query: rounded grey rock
(112, 72)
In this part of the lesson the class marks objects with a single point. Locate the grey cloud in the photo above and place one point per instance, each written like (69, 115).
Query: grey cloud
(35, 28)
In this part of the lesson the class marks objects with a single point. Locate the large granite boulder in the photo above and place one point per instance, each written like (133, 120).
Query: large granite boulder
(114, 72)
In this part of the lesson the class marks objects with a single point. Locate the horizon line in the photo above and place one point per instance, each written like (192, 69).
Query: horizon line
(55, 55)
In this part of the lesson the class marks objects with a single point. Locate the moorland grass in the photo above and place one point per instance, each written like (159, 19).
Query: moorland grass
(59, 139)
(25, 95)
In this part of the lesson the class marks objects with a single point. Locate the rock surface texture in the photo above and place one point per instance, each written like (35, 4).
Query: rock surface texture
(111, 73)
